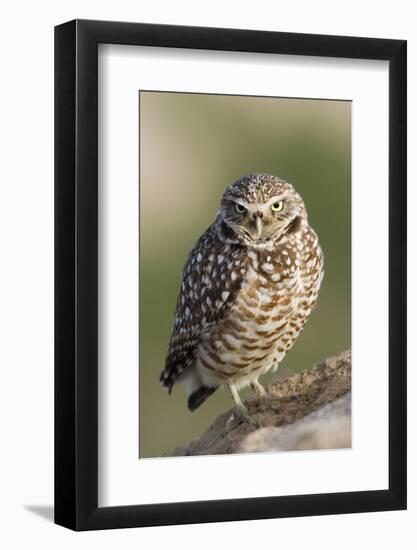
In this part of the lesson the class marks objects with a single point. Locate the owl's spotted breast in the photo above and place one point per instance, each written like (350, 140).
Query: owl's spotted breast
(277, 293)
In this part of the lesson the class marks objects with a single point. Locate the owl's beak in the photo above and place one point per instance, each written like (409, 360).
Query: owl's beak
(258, 225)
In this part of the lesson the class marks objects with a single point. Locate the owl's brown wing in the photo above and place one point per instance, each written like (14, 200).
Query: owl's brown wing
(211, 278)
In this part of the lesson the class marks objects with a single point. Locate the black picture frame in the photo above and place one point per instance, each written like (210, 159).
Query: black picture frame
(76, 271)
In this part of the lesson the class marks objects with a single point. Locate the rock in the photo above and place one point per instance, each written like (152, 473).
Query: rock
(302, 411)
(327, 428)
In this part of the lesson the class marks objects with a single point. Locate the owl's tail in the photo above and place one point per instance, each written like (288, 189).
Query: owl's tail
(196, 390)
(198, 397)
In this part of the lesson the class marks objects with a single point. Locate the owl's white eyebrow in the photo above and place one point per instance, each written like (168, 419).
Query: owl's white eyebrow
(240, 201)
(249, 205)
(277, 198)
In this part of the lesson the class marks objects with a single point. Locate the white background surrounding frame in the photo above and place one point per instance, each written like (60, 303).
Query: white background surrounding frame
(123, 479)
(26, 315)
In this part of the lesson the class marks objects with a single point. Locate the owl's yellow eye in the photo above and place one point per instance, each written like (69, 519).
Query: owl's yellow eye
(240, 209)
(277, 206)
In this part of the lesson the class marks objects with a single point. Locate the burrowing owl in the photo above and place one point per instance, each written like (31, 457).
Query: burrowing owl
(248, 287)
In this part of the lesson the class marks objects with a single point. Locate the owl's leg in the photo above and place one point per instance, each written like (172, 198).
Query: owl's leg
(240, 412)
(259, 390)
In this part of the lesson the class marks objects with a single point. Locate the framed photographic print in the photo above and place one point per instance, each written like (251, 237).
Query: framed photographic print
(230, 252)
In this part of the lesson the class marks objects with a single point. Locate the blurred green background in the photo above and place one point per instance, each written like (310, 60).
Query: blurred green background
(191, 147)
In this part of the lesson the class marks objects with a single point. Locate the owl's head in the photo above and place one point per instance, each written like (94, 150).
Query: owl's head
(259, 208)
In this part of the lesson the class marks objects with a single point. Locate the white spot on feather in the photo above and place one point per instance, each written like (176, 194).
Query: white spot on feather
(267, 267)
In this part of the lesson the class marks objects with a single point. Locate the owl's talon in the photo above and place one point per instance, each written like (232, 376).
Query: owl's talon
(231, 424)
(240, 412)
(240, 415)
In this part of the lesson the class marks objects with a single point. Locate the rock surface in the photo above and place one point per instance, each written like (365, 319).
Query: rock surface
(327, 428)
(308, 410)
